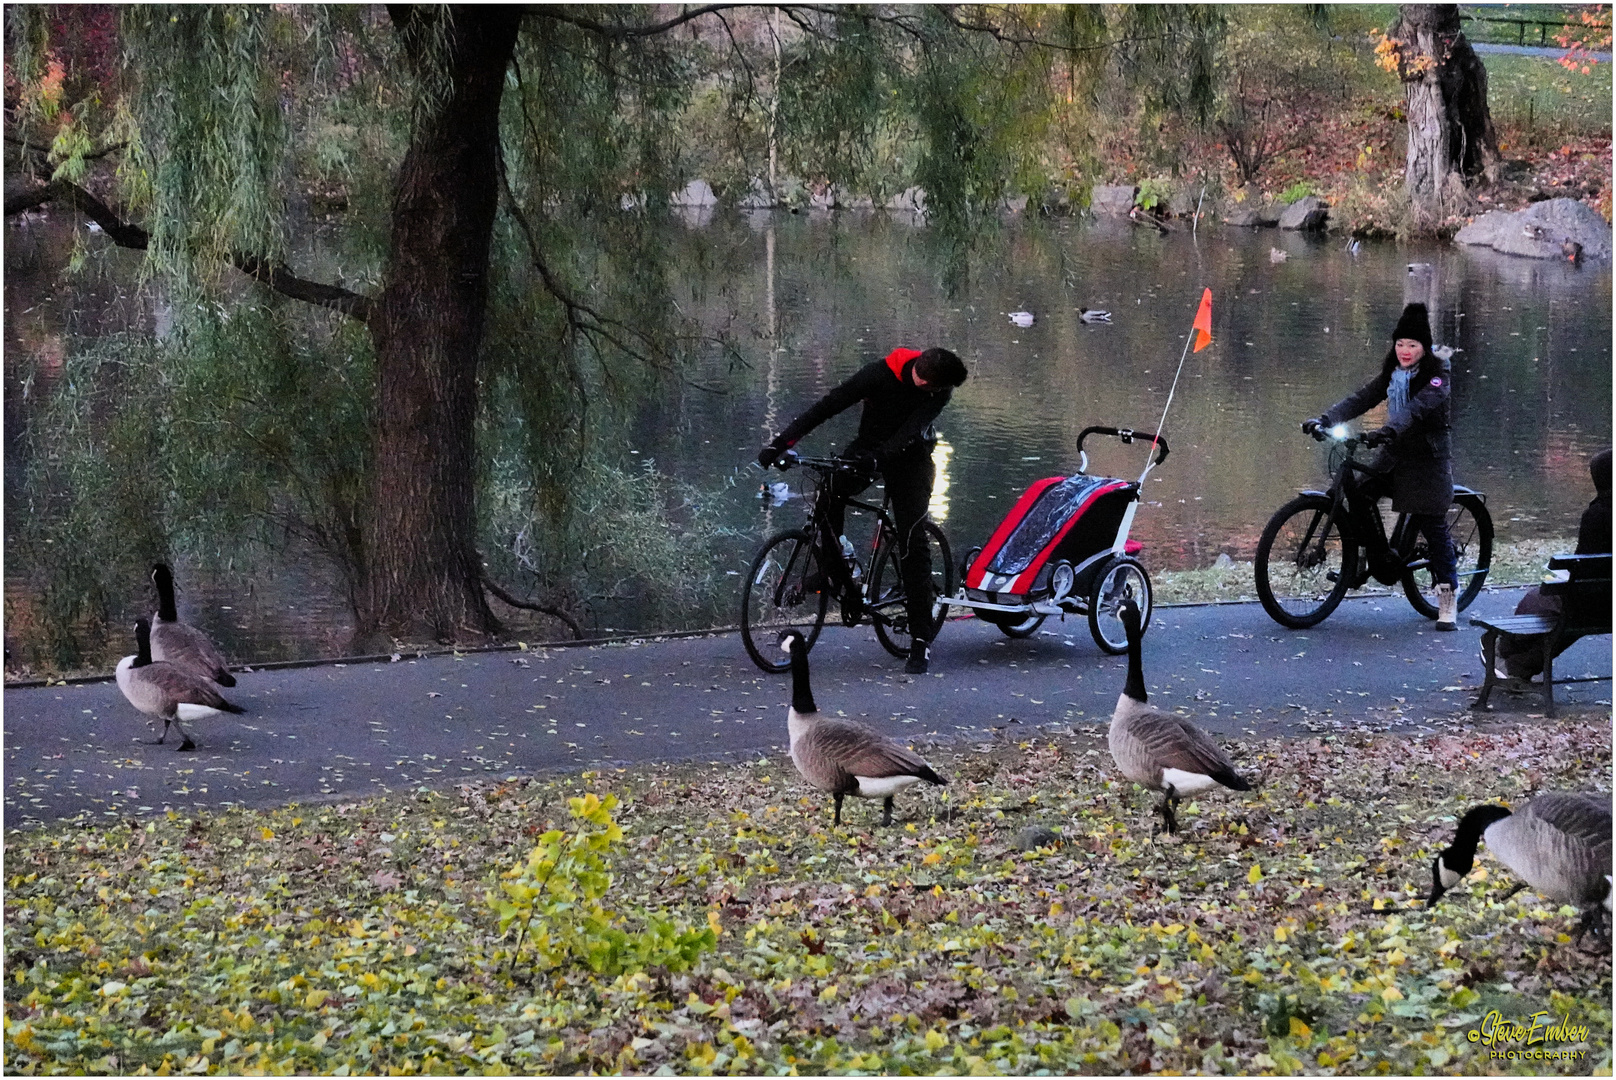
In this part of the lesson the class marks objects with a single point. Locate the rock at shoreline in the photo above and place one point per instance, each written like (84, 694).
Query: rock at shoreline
(1540, 231)
(1307, 213)
(1253, 217)
(1112, 199)
(695, 193)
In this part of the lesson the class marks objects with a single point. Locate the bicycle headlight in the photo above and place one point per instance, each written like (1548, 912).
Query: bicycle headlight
(1338, 432)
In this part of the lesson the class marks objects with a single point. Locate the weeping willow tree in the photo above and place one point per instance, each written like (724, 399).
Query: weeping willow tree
(497, 174)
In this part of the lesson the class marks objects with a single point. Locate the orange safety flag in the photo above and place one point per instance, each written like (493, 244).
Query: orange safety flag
(1203, 321)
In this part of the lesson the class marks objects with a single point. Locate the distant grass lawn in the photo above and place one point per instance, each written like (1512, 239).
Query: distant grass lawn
(1535, 96)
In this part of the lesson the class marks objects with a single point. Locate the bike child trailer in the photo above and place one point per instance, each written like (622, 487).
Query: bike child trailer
(1323, 543)
(797, 571)
(1064, 550)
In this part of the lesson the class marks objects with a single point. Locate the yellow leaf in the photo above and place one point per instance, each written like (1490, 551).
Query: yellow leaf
(1299, 1030)
(268, 834)
(1255, 874)
(315, 999)
(936, 1040)
(1396, 956)
(1391, 993)
(932, 859)
(1280, 933)
(712, 921)
(1174, 929)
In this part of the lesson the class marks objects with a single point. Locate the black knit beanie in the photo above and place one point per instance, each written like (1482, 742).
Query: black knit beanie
(1599, 469)
(1415, 324)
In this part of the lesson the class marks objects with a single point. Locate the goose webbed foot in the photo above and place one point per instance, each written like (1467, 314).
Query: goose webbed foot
(159, 740)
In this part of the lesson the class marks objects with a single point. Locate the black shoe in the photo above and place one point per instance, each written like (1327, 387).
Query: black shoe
(919, 658)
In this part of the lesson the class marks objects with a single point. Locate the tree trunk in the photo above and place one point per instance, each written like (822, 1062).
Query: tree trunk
(1451, 141)
(423, 574)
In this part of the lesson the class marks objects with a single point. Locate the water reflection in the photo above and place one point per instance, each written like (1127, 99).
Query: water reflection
(808, 298)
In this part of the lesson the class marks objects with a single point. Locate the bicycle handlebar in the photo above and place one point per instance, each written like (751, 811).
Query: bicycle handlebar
(827, 464)
(1127, 435)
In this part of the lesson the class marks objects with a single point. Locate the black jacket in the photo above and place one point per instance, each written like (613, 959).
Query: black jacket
(896, 413)
(1421, 456)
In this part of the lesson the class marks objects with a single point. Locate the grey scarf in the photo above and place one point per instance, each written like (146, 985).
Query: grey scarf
(1397, 395)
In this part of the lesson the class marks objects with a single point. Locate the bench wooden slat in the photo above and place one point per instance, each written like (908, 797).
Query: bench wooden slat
(1515, 624)
(1585, 611)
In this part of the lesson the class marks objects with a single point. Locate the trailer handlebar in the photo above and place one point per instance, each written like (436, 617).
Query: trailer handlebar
(1127, 435)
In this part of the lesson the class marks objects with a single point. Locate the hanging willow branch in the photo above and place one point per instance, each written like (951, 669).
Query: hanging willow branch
(124, 234)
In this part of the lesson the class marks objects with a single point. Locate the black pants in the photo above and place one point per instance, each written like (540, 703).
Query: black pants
(908, 477)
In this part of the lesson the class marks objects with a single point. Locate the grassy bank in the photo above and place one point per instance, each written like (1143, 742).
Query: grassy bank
(1518, 563)
(1281, 935)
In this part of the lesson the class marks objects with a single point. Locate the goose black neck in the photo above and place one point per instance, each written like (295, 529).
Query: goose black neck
(1461, 854)
(802, 696)
(1135, 686)
(142, 644)
(165, 595)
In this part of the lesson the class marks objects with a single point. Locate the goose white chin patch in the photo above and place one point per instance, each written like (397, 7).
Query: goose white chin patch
(1450, 878)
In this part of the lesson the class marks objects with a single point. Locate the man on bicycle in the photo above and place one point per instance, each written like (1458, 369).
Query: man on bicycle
(902, 395)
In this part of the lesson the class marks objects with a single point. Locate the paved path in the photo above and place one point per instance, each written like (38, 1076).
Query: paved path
(344, 731)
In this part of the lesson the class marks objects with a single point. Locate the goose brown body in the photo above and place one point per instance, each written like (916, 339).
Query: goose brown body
(845, 757)
(166, 691)
(182, 644)
(1161, 750)
(1559, 844)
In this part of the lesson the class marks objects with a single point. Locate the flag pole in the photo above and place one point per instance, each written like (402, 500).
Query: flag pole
(1206, 308)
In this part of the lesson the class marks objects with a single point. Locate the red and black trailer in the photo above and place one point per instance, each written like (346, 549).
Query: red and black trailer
(1063, 549)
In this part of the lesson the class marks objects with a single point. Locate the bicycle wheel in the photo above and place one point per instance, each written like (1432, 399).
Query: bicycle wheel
(1304, 564)
(886, 593)
(1123, 578)
(775, 599)
(1471, 527)
(1015, 626)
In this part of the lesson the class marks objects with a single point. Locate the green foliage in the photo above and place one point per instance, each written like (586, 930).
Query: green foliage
(1154, 191)
(1299, 190)
(554, 901)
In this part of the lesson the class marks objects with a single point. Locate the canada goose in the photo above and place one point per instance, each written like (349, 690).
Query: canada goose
(161, 689)
(1164, 752)
(1023, 318)
(1559, 844)
(1093, 315)
(844, 757)
(180, 643)
(1571, 249)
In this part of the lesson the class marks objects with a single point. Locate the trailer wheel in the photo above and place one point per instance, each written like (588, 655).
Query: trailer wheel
(1123, 577)
(1027, 625)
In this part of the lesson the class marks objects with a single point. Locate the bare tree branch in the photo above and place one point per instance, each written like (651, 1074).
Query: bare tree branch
(526, 605)
(124, 234)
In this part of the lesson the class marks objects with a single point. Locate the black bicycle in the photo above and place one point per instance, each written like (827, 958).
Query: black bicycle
(1323, 543)
(787, 588)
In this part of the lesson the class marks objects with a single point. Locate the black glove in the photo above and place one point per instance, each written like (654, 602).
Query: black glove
(769, 455)
(864, 462)
(1314, 426)
(1381, 436)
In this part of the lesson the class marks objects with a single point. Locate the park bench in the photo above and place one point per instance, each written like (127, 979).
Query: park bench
(1583, 584)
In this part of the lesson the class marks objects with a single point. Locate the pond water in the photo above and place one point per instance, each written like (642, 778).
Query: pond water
(1298, 322)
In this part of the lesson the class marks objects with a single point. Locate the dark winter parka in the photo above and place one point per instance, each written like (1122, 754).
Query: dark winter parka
(1421, 457)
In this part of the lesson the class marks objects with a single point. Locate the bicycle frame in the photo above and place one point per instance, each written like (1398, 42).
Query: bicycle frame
(829, 541)
(1386, 555)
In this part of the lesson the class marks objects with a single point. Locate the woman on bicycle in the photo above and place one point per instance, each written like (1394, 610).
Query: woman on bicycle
(902, 395)
(1414, 384)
